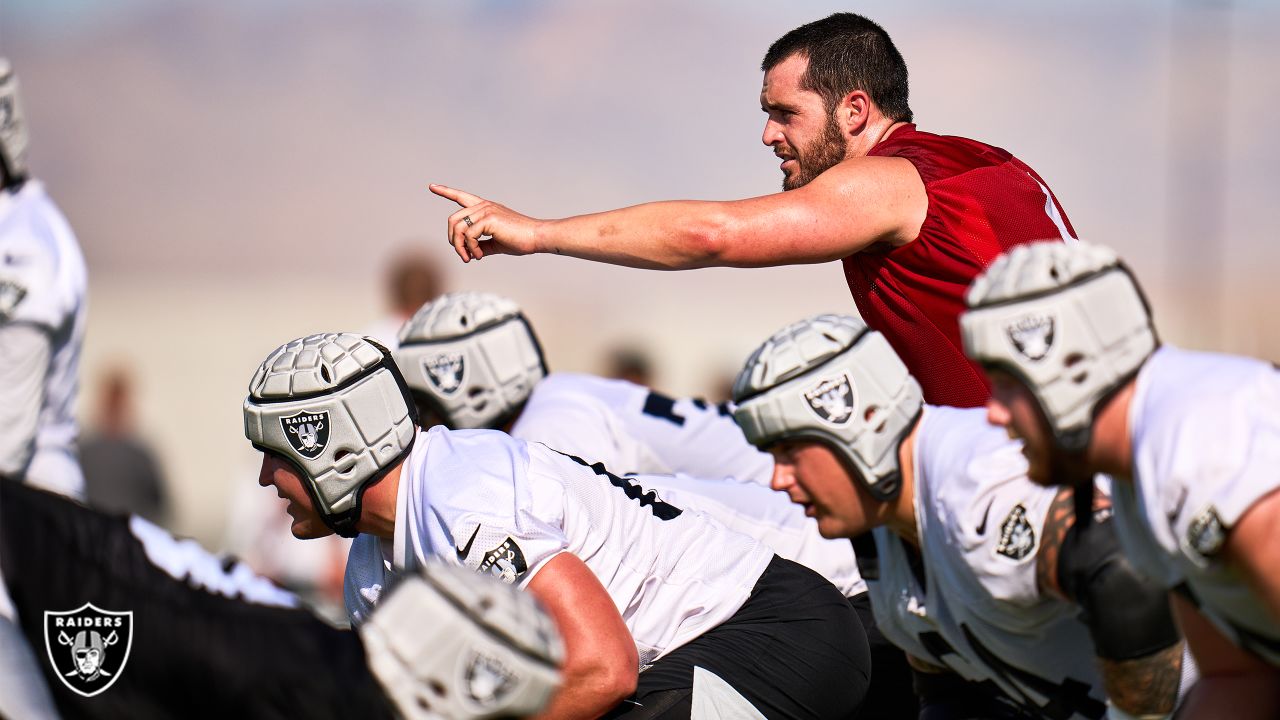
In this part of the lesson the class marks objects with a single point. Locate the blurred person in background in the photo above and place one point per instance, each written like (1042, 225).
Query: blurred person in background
(411, 277)
(628, 362)
(121, 473)
(912, 215)
(42, 317)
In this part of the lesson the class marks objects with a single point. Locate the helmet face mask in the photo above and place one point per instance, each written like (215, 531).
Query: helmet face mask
(336, 409)
(1069, 323)
(471, 359)
(831, 379)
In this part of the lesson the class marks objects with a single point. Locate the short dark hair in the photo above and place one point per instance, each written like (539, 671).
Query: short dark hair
(847, 52)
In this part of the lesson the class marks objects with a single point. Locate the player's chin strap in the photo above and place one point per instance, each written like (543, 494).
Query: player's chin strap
(452, 644)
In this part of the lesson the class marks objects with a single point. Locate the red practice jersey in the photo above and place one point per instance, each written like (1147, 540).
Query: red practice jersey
(982, 201)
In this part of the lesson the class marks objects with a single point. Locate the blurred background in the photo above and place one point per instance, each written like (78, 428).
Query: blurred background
(244, 172)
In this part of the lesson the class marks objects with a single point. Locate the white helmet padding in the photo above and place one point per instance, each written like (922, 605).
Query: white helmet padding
(831, 378)
(1069, 320)
(472, 358)
(335, 406)
(13, 127)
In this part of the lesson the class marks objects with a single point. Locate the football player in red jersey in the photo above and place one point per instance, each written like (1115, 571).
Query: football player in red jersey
(914, 216)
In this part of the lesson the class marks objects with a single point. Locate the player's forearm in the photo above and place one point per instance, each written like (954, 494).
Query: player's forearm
(1147, 685)
(673, 235)
(1245, 696)
(588, 692)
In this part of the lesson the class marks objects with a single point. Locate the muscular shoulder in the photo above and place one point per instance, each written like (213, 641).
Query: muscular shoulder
(937, 157)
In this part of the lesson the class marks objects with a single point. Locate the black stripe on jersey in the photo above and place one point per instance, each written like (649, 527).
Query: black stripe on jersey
(646, 498)
(662, 407)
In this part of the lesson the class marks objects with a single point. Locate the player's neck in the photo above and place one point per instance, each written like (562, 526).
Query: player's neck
(1111, 444)
(902, 509)
(378, 505)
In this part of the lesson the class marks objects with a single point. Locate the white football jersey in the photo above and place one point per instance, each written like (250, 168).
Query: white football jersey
(1206, 447)
(692, 452)
(980, 521)
(632, 429)
(42, 287)
(485, 500)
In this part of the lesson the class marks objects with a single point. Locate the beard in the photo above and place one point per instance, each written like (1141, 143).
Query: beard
(821, 155)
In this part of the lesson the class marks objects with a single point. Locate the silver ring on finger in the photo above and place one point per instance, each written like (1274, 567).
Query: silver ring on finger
(467, 219)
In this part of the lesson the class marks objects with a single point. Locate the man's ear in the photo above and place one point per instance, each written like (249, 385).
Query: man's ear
(854, 112)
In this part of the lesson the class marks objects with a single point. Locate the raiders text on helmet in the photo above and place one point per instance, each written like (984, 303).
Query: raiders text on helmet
(833, 379)
(13, 126)
(472, 358)
(335, 406)
(1068, 320)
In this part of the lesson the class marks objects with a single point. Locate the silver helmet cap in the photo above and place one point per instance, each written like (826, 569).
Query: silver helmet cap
(832, 379)
(1068, 320)
(334, 406)
(471, 358)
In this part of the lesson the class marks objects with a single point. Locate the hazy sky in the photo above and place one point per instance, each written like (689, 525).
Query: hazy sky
(242, 168)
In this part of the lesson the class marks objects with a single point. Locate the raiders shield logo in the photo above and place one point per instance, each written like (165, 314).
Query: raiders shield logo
(11, 294)
(832, 400)
(445, 371)
(488, 680)
(1205, 534)
(307, 432)
(1017, 538)
(506, 562)
(1032, 336)
(88, 647)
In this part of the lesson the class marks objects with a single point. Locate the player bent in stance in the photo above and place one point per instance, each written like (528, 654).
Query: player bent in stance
(174, 631)
(977, 566)
(633, 583)
(1191, 439)
(472, 360)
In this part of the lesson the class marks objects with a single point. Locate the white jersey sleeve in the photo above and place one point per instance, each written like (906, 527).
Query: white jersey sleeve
(980, 521)
(42, 287)
(24, 360)
(1206, 447)
(633, 429)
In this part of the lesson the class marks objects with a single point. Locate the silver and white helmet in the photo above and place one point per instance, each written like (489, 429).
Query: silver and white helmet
(1069, 320)
(471, 358)
(335, 406)
(833, 379)
(13, 126)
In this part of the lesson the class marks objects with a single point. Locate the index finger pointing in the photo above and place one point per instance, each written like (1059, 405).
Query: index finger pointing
(462, 197)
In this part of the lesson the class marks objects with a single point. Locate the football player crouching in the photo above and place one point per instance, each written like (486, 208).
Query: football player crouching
(633, 583)
(472, 360)
(1191, 439)
(977, 567)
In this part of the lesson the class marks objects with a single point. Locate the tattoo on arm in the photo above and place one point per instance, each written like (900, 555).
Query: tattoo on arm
(1146, 685)
(1057, 522)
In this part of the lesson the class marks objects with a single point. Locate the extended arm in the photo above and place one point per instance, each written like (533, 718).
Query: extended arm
(1137, 644)
(1233, 683)
(601, 666)
(1254, 547)
(844, 210)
